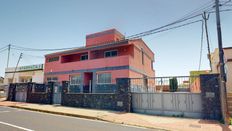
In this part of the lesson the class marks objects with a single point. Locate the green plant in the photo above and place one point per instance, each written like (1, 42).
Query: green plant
(173, 84)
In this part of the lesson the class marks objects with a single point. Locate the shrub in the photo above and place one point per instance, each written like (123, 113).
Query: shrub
(173, 84)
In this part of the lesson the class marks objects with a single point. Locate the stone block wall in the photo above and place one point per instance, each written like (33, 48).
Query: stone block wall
(118, 101)
(11, 92)
(210, 93)
(40, 97)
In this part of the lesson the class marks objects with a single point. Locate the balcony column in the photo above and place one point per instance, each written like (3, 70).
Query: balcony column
(94, 82)
(89, 54)
(82, 82)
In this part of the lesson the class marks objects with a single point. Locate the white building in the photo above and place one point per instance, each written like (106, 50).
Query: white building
(31, 73)
(228, 65)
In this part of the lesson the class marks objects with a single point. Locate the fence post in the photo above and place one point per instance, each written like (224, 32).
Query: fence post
(11, 92)
(64, 91)
(29, 91)
(50, 91)
(210, 94)
(123, 91)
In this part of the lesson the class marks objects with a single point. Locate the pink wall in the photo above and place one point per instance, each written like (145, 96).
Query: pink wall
(129, 54)
(103, 37)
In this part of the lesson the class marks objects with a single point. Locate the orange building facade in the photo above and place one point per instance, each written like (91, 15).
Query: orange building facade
(106, 57)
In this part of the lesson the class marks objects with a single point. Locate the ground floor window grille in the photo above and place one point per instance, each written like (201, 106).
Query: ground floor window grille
(75, 84)
(104, 78)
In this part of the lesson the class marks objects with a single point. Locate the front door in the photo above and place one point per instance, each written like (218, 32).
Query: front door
(57, 94)
(88, 78)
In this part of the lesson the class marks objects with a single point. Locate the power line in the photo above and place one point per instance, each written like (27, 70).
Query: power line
(175, 27)
(34, 49)
(193, 14)
(42, 57)
(3, 50)
(186, 17)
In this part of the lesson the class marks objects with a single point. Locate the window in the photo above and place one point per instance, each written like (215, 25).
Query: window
(111, 53)
(151, 64)
(75, 80)
(84, 57)
(53, 59)
(52, 79)
(104, 78)
(142, 56)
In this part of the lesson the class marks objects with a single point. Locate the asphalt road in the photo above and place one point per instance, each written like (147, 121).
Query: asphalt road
(12, 119)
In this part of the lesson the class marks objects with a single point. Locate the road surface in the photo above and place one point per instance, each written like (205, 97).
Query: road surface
(12, 119)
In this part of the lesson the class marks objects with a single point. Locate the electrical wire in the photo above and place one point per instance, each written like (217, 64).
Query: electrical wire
(3, 48)
(33, 49)
(175, 27)
(191, 15)
(1, 51)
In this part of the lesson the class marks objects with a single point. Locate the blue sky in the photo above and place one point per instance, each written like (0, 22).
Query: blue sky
(64, 23)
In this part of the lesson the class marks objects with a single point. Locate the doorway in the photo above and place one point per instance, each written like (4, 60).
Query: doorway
(88, 82)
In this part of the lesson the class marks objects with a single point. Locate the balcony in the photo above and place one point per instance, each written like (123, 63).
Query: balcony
(89, 64)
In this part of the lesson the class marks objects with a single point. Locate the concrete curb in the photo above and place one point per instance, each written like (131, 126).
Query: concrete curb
(87, 117)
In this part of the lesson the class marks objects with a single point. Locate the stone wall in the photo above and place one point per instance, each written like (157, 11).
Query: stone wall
(118, 101)
(11, 92)
(210, 93)
(40, 97)
(32, 97)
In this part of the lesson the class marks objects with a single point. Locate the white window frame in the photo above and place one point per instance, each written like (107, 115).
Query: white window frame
(110, 51)
(52, 79)
(73, 76)
(104, 73)
(84, 55)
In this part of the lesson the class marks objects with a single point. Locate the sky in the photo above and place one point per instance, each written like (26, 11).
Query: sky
(65, 23)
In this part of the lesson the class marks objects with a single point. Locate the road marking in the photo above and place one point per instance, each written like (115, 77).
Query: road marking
(79, 118)
(8, 124)
(4, 111)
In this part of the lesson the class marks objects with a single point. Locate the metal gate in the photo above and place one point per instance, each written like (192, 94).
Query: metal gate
(171, 104)
(21, 93)
(57, 94)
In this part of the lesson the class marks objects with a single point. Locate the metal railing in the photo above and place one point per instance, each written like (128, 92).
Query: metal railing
(166, 84)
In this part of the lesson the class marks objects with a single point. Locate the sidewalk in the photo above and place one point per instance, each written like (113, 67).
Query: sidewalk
(156, 122)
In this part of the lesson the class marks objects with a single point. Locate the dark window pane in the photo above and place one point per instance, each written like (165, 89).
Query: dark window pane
(114, 53)
(84, 57)
(107, 54)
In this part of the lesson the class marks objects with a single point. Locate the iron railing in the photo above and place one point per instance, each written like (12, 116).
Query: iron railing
(165, 84)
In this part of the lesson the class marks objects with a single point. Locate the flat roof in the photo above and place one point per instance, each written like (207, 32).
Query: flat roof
(227, 48)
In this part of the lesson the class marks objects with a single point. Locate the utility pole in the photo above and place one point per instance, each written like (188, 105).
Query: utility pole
(20, 57)
(222, 68)
(207, 38)
(8, 57)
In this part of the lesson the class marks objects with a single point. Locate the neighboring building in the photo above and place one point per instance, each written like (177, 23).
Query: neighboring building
(106, 56)
(1, 80)
(195, 80)
(31, 73)
(200, 72)
(228, 65)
